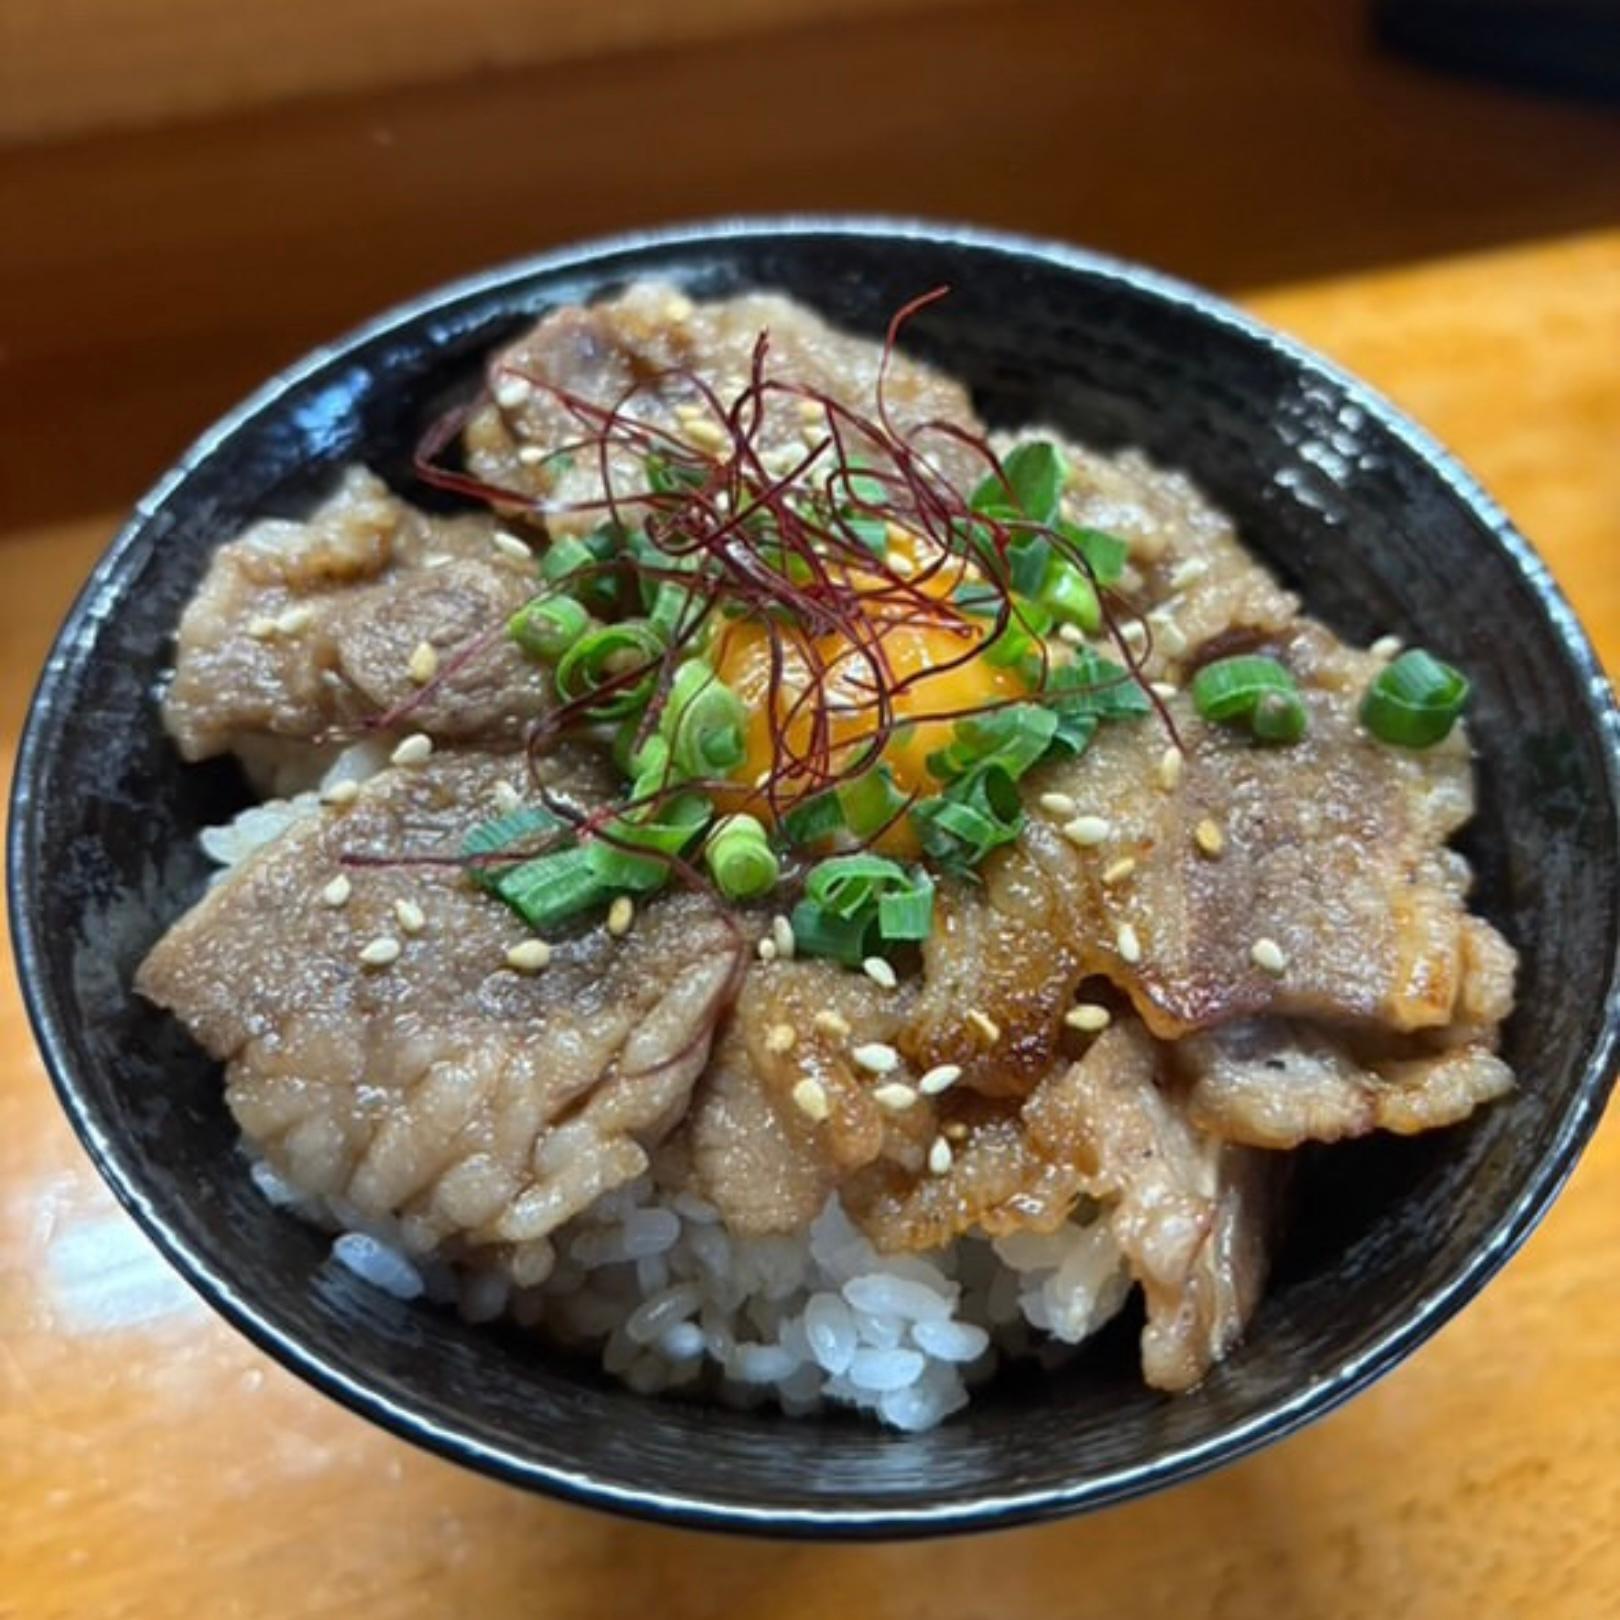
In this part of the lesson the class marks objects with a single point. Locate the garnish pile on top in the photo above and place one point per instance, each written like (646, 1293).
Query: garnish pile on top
(821, 663)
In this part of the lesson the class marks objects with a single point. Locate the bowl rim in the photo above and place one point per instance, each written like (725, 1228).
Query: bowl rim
(1315, 1396)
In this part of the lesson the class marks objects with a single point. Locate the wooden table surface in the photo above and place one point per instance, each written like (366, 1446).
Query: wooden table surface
(154, 1464)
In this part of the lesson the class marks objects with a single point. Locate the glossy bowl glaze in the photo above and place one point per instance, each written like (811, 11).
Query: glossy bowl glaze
(1379, 528)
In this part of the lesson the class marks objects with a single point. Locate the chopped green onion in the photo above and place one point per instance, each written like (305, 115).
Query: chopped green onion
(975, 814)
(665, 477)
(520, 826)
(871, 802)
(1254, 691)
(1071, 597)
(814, 819)
(548, 626)
(873, 533)
(855, 903)
(705, 722)
(605, 654)
(1415, 701)
(569, 562)
(678, 822)
(740, 858)
(817, 932)
(551, 888)
(908, 914)
(1106, 553)
(1029, 564)
(1035, 474)
(1027, 623)
(844, 884)
(1229, 689)
(1279, 717)
(648, 767)
(1014, 737)
(673, 609)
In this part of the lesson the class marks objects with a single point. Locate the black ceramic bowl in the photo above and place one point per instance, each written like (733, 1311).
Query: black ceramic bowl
(1375, 523)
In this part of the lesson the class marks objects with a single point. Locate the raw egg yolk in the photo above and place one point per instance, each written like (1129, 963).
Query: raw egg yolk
(742, 658)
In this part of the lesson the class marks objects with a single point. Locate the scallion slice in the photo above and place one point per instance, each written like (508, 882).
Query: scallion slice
(1228, 689)
(740, 858)
(812, 820)
(1072, 597)
(606, 654)
(908, 913)
(1278, 717)
(705, 722)
(551, 888)
(871, 802)
(1415, 701)
(548, 626)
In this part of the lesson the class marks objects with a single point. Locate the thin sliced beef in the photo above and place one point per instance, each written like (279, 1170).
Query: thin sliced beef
(1333, 850)
(480, 1106)
(602, 352)
(1275, 1084)
(305, 631)
(1191, 1213)
(757, 1154)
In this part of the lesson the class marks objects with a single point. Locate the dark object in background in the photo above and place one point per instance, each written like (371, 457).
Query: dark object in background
(1572, 46)
(1327, 483)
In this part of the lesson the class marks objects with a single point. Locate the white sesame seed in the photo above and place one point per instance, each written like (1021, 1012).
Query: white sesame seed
(1087, 831)
(1164, 690)
(1171, 637)
(810, 1097)
(1071, 633)
(1088, 1016)
(780, 1038)
(337, 892)
(1169, 771)
(437, 560)
(879, 972)
(1208, 836)
(414, 750)
(510, 546)
(412, 919)
(831, 1023)
(261, 627)
(1127, 944)
(901, 564)
(782, 937)
(507, 798)
(1187, 572)
(1119, 870)
(766, 950)
(940, 1157)
(678, 307)
(876, 1058)
(704, 432)
(531, 455)
(894, 1096)
(812, 433)
(529, 956)
(1269, 957)
(294, 620)
(1386, 647)
(688, 410)
(811, 410)
(1135, 635)
(1059, 804)
(424, 663)
(985, 1024)
(939, 1078)
(620, 915)
(380, 951)
(512, 390)
(341, 793)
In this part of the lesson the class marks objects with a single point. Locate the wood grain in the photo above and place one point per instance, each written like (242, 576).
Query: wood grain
(149, 280)
(152, 1464)
(68, 67)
